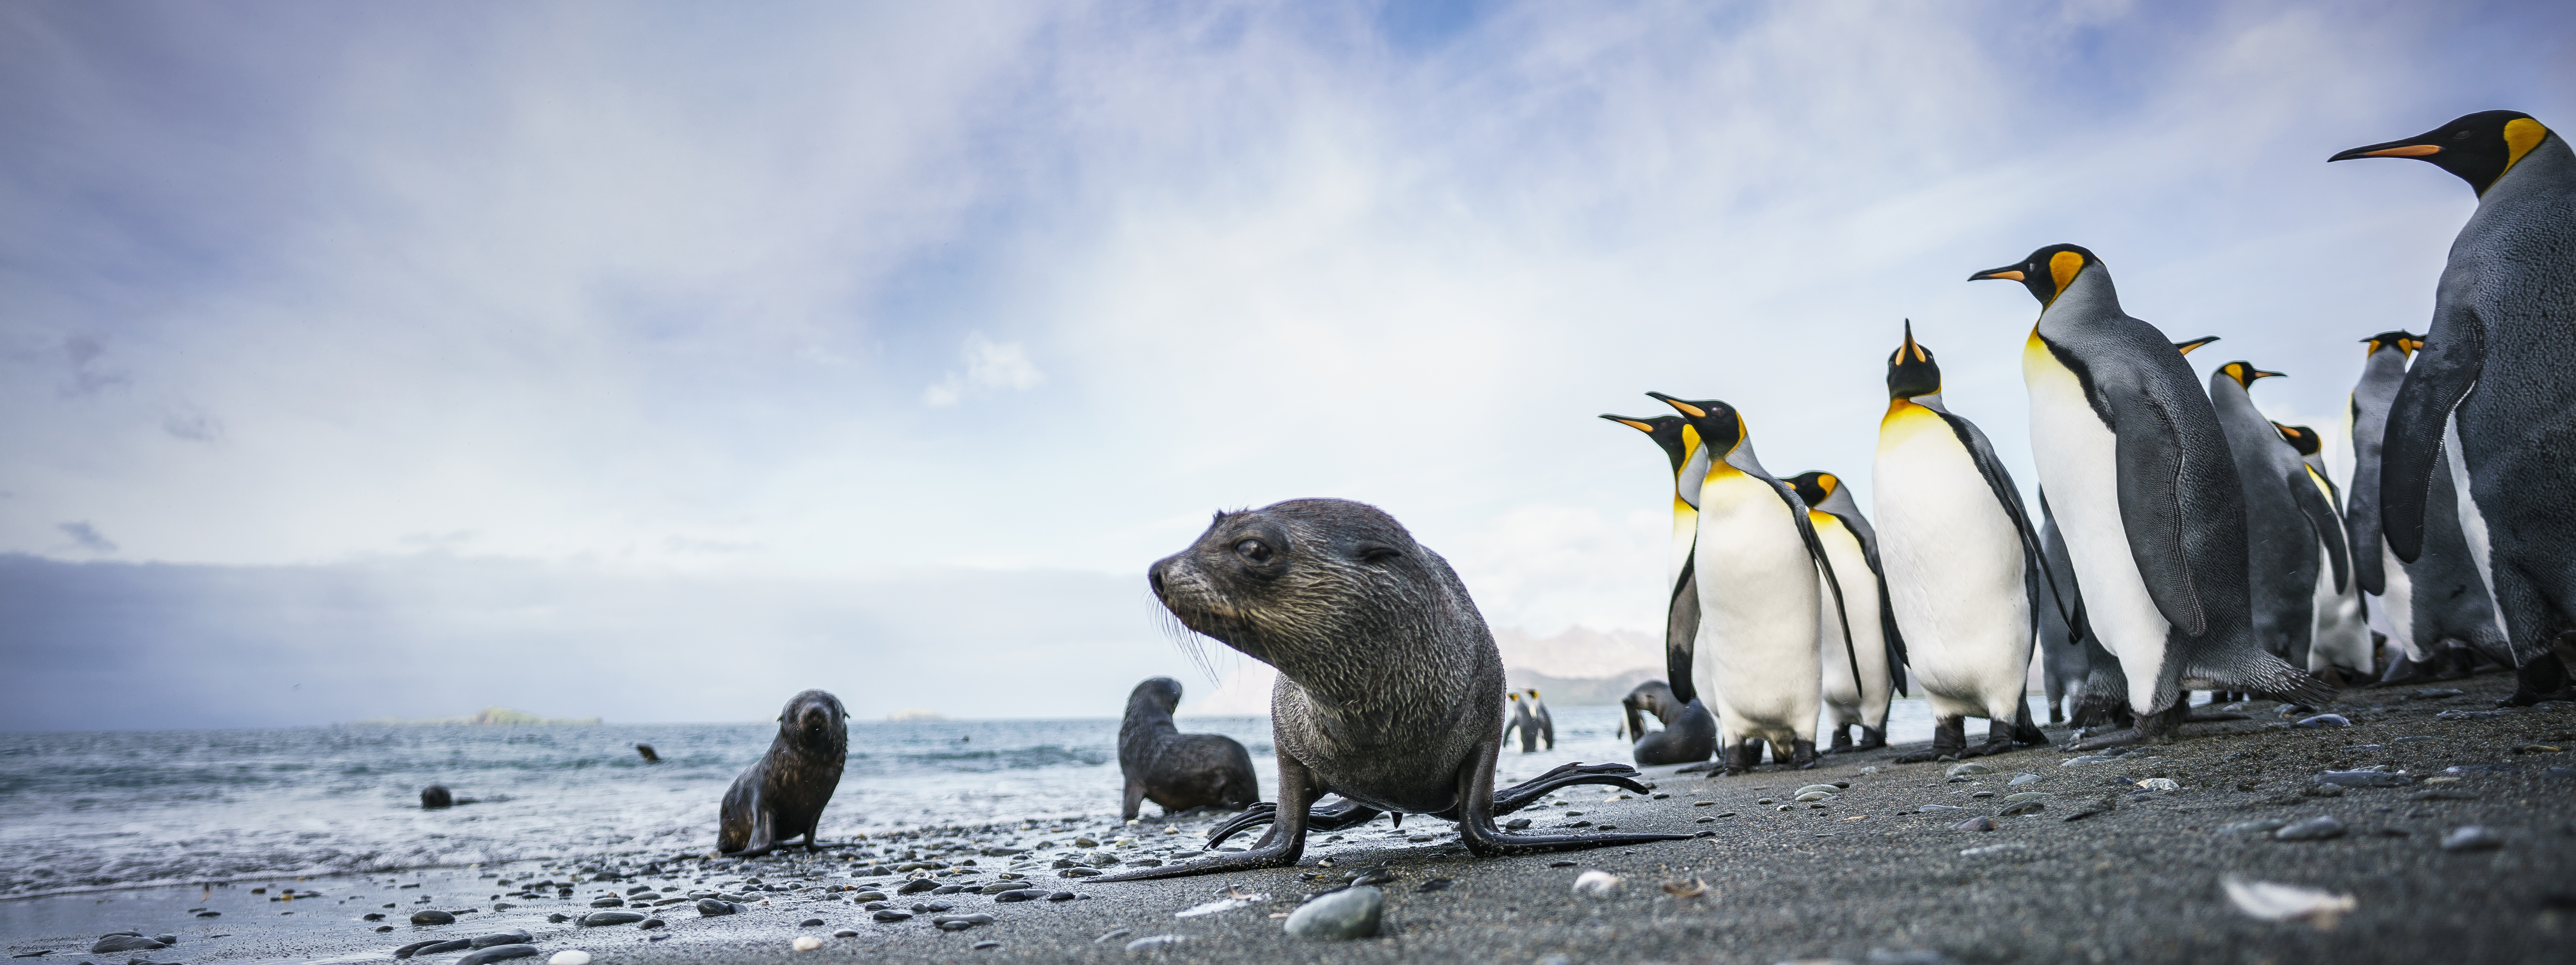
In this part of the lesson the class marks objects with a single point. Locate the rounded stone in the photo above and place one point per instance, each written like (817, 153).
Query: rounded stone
(806, 943)
(889, 914)
(2472, 837)
(432, 916)
(498, 953)
(1979, 823)
(1964, 768)
(711, 907)
(1349, 913)
(569, 956)
(503, 938)
(2319, 828)
(599, 918)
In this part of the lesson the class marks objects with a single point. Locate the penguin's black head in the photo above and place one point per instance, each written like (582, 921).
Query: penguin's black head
(2404, 342)
(1815, 487)
(2245, 373)
(1665, 430)
(2300, 438)
(2479, 147)
(1911, 371)
(1709, 422)
(2046, 272)
(2186, 347)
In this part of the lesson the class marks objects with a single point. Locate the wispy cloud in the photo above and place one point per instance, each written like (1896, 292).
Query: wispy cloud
(86, 537)
(989, 365)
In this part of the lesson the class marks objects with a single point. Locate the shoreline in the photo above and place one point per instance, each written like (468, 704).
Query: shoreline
(1865, 870)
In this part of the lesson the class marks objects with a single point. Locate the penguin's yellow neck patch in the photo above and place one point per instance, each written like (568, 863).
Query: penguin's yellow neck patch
(2062, 267)
(2521, 135)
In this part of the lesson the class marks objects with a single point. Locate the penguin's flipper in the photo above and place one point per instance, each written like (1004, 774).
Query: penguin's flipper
(1681, 632)
(1999, 479)
(2150, 456)
(1816, 551)
(2305, 487)
(2443, 373)
(2061, 571)
(1859, 525)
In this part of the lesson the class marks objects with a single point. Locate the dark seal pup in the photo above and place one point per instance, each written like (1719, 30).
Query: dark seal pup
(1176, 770)
(783, 796)
(1689, 734)
(1390, 689)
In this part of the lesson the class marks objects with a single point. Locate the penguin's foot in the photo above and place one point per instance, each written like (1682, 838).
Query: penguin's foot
(2212, 718)
(1992, 746)
(1740, 758)
(1949, 741)
(1803, 755)
(1871, 738)
(1921, 757)
(1842, 740)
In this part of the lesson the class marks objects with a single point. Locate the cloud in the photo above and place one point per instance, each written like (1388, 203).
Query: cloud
(989, 365)
(86, 537)
(192, 424)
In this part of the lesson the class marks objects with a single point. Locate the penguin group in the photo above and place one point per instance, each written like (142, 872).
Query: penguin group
(2183, 541)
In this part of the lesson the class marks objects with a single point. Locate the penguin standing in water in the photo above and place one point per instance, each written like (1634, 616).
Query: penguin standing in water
(1682, 447)
(1858, 682)
(2433, 607)
(2340, 639)
(1523, 722)
(2498, 372)
(1756, 566)
(1962, 562)
(1538, 715)
(2286, 517)
(2138, 474)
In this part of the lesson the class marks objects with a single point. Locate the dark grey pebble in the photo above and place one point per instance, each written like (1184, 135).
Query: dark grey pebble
(1436, 884)
(1373, 876)
(889, 914)
(442, 948)
(210, 914)
(917, 886)
(877, 905)
(1936, 809)
(2326, 720)
(384, 927)
(955, 925)
(1560, 864)
(979, 918)
(869, 895)
(809, 923)
(2024, 807)
(1025, 894)
(1112, 935)
(598, 918)
(1062, 896)
(1078, 872)
(1516, 824)
(611, 901)
(2472, 838)
(2365, 779)
(1978, 823)
(503, 938)
(649, 924)
(1348, 914)
(2317, 828)
(558, 918)
(432, 916)
(1001, 886)
(951, 889)
(498, 953)
(986, 945)
(711, 907)
(372, 916)
(928, 907)
(846, 933)
(405, 951)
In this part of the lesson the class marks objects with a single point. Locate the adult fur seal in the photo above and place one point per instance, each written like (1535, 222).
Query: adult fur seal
(783, 796)
(1176, 770)
(1689, 734)
(1390, 689)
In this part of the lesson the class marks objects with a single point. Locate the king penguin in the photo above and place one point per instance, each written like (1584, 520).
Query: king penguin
(2498, 371)
(2339, 640)
(2138, 475)
(1681, 446)
(1962, 560)
(2064, 661)
(1860, 680)
(1538, 714)
(2286, 517)
(1755, 563)
(2437, 602)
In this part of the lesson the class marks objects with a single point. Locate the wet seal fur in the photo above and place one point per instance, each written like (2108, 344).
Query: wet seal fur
(1176, 770)
(783, 795)
(1390, 689)
(1689, 734)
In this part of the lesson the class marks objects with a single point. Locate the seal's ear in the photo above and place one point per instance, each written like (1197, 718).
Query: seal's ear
(1378, 553)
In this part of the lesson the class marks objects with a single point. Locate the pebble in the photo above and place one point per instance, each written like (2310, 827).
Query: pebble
(2319, 828)
(711, 907)
(442, 948)
(2024, 777)
(2324, 790)
(889, 914)
(1023, 894)
(1936, 809)
(931, 906)
(2024, 807)
(1151, 942)
(917, 886)
(558, 918)
(569, 956)
(503, 938)
(126, 943)
(869, 895)
(846, 933)
(2325, 720)
(809, 923)
(806, 943)
(986, 945)
(498, 953)
(1062, 896)
(1516, 824)
(1978, 823)
(2024, 796)
(1596, 883)
(611, 901)
(2160, 784)
(1350, 913)
(597, 918)
(2364, 778)
(2086, 759)
(1967, 767)
(2471, 837)
(431, 916)
(1814, 788)
(2468, 715)
(1981, 795)
(1815, 796)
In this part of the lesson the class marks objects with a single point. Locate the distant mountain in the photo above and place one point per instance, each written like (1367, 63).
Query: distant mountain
(1578, 691)
(487, 717)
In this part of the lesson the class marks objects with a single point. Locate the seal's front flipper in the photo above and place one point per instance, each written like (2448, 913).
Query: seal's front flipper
(1521, 795)
(1278, 849)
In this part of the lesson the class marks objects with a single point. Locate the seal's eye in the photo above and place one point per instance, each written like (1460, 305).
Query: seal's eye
(1254, 550)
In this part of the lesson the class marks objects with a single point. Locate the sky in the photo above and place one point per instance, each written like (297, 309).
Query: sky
(657, 361)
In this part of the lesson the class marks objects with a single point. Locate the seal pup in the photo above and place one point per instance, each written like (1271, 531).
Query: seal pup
(1689, 734)
(2491, 397)
(1857, 687)
(1756, 565)
(782, 796)
(2132, 457)
(1538, 714)
(1962, 559)
(1390, 689)
(1176, 770)
(436, 796)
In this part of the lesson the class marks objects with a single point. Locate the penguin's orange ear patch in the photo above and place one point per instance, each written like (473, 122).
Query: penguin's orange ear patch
(2062, 267)
(2521, 135)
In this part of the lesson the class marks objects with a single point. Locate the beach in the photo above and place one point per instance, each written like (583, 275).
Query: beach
(1866, 874)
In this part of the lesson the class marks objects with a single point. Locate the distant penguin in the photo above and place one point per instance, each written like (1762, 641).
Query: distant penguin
(2376, 568)
(1538, 714)
(1523, 722)
(1877, 651)
(2138, 473)
(2498, 373)
(2340, 640)
(1756, 563)
(1681, 446)
(2064, 662)
(2437, 604)
(1962, 562)
(2292, 532)
(2186, 347)
(1689, 734)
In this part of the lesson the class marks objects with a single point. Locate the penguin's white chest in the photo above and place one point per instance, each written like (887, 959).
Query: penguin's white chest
(2079, 471)
(1758, 600)
(1955, 565)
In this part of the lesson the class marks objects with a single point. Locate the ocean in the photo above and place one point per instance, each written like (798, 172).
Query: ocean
(90, 811)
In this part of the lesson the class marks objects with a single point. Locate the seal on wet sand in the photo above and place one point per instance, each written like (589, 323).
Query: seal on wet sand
(1176, 770)
(1689, 734)
(1390, 689)
(783, 795)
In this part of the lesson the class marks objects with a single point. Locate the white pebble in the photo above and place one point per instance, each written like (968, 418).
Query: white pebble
(569, 957)
(807, 943)
(1596, 884)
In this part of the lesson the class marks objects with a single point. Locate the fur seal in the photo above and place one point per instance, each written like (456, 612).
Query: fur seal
(1390, 689)
(1689, 734)
(1176, 770)
(783, 795)
(435, 796)
(649, 756)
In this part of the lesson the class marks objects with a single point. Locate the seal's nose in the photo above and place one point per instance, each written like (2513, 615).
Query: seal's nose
(1154, 575)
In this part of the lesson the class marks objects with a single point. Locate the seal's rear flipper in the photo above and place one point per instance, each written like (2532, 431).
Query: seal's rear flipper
(1518, 796)
(1332, 817)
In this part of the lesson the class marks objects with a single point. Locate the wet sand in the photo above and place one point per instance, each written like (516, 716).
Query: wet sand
(1865, 876)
